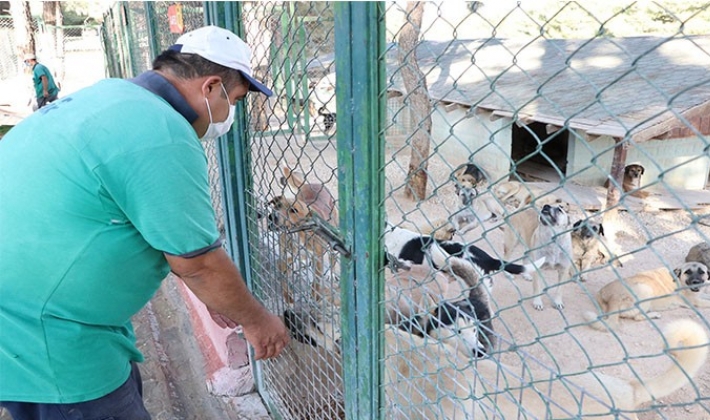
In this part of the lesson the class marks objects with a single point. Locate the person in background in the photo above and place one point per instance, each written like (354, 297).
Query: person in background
(104, 193)
(46, 90)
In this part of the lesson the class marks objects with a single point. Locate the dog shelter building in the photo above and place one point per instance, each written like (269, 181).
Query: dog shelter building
(588, 97)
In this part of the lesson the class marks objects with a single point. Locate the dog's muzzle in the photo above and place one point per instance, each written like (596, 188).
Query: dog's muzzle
(695, 280)
(466, 195)
(548, 215)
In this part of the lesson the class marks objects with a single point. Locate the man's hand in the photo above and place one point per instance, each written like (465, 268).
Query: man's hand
(215, 280)
(268, 337)
(45, 94)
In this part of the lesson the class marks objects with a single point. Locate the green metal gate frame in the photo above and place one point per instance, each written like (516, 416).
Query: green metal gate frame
(359, 49)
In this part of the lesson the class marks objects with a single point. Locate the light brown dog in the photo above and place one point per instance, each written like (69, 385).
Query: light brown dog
(589, 246)
(433, 379)
(641, 296)
(513, 193)
(632, 180)
(290, 217)
(441, 230)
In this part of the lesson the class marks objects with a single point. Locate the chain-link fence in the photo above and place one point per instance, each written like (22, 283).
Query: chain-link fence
(134, 33)
(542, 169)
(55, 46)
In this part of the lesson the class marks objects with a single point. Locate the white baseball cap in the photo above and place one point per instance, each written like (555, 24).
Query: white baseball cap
(223, 47)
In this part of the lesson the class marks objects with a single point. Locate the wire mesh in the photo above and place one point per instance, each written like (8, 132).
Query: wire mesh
(502, 121)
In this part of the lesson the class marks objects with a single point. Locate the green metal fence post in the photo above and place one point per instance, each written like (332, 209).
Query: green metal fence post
(152, 32)
(359, 46)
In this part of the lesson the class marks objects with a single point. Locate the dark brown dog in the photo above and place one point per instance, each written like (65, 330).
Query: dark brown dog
(632, 180)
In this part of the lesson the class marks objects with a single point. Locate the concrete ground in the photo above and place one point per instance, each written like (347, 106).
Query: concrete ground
(174, 381)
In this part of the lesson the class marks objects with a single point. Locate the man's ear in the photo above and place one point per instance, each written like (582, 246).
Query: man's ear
(212, 85)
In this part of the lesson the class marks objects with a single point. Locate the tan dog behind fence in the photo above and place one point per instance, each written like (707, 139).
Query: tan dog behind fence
(294, 218)
(641, 296)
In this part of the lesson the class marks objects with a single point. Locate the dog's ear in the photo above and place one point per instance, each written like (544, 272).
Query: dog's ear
(642, 169)
(458, 172)
(292, 178)
(576, 225)
(677, 272)
(601, 229)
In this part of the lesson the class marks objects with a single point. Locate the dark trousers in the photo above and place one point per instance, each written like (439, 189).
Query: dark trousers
(42, 101)
(125, 403)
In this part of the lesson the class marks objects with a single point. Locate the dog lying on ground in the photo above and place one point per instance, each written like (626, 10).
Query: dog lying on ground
(290, 216)
(426, 379)
(513, 193)
(632, 180)
(410, 246)
(641, 296)
(699, 253)
(589, 246)
(545, 233)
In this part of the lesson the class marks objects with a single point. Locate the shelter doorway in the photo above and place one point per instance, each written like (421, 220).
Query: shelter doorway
(536, 155)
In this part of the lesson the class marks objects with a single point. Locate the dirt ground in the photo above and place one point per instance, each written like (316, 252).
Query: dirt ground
(559, 339)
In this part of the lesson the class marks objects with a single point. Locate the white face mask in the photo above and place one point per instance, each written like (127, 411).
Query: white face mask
(215, 130)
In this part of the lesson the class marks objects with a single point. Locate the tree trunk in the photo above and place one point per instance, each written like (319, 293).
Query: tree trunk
(49, 14)
(417, 100)
(24, 33)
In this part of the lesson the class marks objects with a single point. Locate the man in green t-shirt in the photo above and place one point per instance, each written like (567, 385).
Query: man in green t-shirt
(103, 193)
(46, 90)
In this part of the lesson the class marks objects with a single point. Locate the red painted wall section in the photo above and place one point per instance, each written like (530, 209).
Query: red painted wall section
(224, 350)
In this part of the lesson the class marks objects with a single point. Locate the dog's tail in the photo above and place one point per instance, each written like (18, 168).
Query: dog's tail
(459, 267)
(594, 322)
(688, 345)
(525, 270)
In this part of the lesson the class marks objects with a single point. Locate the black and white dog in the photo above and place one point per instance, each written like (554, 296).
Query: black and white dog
(468, 320)
(411, 246)
(329, 119)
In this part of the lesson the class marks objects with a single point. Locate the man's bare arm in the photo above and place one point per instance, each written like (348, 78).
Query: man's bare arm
(216, 281)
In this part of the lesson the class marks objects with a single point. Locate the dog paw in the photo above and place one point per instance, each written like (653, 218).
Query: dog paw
(537, 304)
(559, 305)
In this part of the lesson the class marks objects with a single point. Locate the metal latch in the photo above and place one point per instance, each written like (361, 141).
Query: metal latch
(322, 228)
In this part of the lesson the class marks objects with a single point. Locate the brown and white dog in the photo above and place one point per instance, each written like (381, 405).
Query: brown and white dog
(589, 246)
(640, 297)
(545, 232)
(632, 180)
(476, 203)
(290, 218)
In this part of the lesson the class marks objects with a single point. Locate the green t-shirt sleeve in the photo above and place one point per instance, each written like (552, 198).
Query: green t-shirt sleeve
(164, 193)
